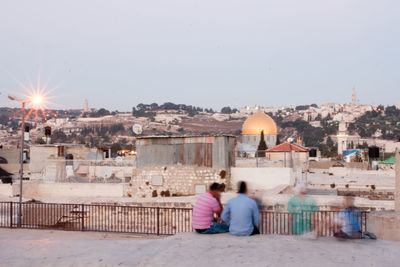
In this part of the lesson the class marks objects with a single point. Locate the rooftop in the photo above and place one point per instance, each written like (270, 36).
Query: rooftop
(287, 147)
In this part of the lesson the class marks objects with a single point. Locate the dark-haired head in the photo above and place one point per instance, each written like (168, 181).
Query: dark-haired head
(215, 187)
(242, 187)
(215, 190)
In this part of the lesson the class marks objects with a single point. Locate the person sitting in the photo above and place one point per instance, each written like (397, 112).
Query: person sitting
(205, 207)
(301, 206)
(348, 222)
(242, 214)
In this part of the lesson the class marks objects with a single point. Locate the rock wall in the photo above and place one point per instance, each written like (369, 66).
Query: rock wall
(174, 181)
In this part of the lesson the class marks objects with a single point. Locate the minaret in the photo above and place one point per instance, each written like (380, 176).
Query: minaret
(342, 137)
(354, 98)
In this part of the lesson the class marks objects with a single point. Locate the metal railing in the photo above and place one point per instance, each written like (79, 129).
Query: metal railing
(151, 220)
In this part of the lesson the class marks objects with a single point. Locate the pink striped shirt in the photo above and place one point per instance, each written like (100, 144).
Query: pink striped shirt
(203, 211)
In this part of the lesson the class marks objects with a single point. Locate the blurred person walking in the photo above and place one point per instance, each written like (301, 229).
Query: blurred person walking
(301, 206)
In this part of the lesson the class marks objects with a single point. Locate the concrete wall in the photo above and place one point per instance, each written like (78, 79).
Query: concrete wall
(11, 155)
(262, 178)
(177, 180)
(71, 190)
(14, 168)
(84, 171)
(384, 224)
(282, 156)
(39, 154)
(340, 171)
(6, 190)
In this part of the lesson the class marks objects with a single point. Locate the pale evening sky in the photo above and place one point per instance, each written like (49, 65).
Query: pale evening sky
(205, 53)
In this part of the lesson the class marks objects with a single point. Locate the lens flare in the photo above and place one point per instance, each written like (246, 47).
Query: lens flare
(37, 98)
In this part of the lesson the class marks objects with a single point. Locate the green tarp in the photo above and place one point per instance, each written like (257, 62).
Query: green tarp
(391, 160)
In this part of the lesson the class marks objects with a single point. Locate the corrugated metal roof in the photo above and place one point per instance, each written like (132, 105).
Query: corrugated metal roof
(182, 136)
(55, 145)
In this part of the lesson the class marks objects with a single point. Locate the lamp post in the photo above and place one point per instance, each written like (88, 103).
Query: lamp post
(21, 157)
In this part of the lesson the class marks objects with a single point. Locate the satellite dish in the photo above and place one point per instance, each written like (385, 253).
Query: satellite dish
(290, 140)
(137, 129)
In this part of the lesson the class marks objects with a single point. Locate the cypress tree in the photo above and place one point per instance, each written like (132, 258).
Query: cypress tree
(262, 146)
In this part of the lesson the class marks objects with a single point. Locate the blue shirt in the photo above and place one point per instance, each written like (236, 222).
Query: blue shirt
(241, 213)
(350, 220)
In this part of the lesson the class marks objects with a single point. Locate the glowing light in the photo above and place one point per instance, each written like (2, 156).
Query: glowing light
(37, 99)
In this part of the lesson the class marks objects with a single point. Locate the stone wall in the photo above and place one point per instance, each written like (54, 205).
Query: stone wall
(329, 164)
(174, 181)
(262, 179)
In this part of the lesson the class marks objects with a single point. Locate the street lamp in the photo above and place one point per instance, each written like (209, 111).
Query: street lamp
(35, 100)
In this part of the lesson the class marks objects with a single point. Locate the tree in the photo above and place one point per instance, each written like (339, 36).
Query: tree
(4, 119)
(115, 147)
(226, 110)
(329, 142)
(302, 107)
(59, 137)
(101, 113)
(40, 140)
(262, 146)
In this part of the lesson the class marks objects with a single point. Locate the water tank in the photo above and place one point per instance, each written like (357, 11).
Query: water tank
(373, 152)
(47, 131)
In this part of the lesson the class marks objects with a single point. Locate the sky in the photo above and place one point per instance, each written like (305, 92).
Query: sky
(117, 54)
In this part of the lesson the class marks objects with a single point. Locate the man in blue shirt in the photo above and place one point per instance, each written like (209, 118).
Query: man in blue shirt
(241, 213)
(349, 221)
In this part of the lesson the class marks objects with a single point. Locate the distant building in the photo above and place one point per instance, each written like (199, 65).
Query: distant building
(86, 106)
(283, 152)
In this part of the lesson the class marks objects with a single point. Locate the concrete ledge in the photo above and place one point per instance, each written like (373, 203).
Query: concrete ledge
(385, 225)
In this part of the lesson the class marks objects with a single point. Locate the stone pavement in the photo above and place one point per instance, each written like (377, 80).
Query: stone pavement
(62, 248)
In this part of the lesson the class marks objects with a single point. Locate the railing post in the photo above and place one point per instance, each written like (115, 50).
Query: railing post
(158, 220)
(11, 214)
(83, 217)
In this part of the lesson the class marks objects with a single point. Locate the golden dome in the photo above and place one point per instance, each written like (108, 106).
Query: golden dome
(258, 122)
